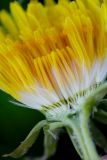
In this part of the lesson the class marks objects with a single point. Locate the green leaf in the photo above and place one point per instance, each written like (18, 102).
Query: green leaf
(99, 138)
(28, 142)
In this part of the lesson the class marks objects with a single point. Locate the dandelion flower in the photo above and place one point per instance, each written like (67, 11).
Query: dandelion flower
(53, 58)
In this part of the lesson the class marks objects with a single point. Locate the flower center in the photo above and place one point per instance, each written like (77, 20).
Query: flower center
(71, 105)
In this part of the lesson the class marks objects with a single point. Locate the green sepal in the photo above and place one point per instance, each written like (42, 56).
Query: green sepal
(50, 142)
(51, 132)
(98, 137)
(28, 142)
(102, 105)
(100, 111)
(104, 101)
(101, 116)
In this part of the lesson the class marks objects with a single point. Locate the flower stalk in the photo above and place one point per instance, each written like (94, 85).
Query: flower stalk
(80, 135)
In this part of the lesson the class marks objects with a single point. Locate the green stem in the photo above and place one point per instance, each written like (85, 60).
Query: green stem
(79, 133)
(76, 137)
(80, 125)
(87, 137)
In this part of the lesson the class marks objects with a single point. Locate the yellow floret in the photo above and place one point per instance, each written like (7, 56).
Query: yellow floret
(49, 38)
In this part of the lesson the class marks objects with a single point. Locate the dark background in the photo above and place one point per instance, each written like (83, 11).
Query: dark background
(16, 122)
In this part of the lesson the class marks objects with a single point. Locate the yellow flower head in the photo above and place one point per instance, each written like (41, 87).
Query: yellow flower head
(52, 56)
